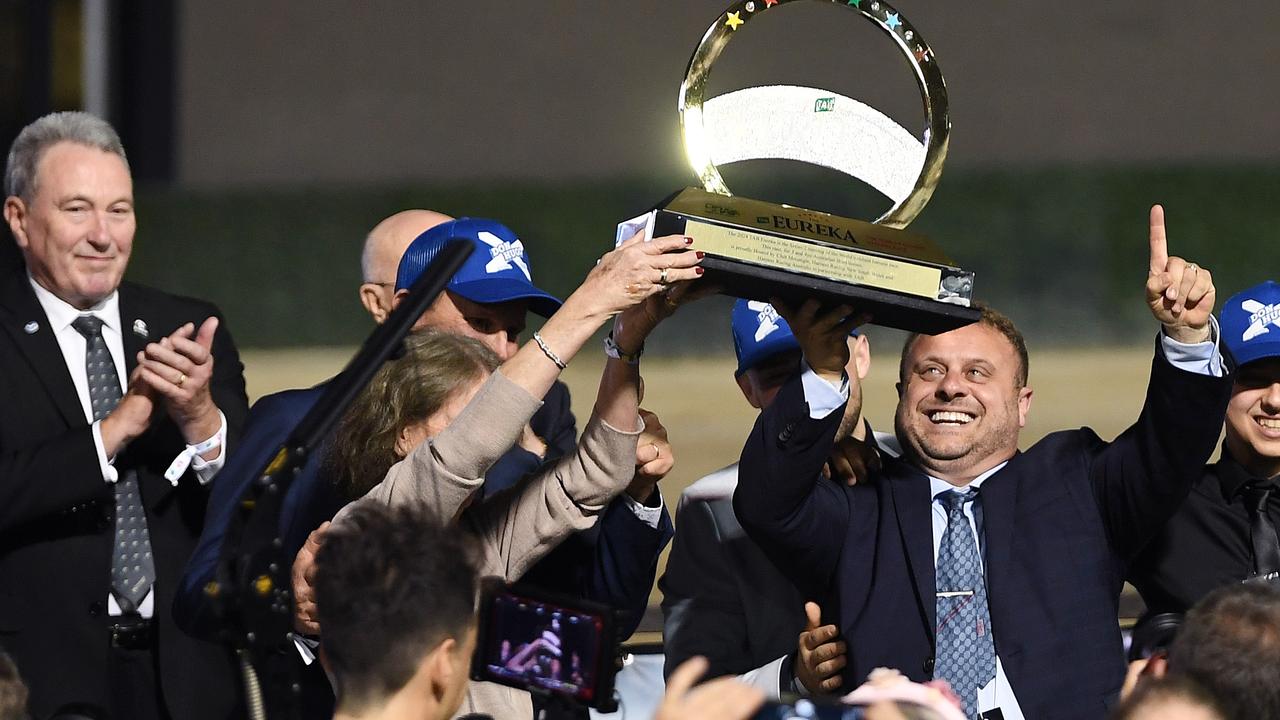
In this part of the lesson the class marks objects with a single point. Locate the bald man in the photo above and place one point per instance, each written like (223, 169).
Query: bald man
(381, 256)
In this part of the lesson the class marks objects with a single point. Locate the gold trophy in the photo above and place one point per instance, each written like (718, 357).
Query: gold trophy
(757, 249)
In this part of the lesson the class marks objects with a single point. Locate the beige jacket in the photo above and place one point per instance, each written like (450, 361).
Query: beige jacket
(520, 525)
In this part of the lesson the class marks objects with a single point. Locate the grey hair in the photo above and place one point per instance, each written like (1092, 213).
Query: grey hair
(81, 128)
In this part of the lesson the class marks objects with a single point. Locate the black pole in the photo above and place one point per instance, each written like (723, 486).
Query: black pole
(252, 595)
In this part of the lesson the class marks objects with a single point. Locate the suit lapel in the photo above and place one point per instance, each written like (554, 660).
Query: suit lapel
(34, 338)
(999, 497)
(913, 507)
(136, 328)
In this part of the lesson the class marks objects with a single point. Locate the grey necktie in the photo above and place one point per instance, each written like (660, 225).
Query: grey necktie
(966, 651)
(132, 568)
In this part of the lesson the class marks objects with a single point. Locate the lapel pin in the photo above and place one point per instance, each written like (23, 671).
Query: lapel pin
(31, 328)
(139, 328)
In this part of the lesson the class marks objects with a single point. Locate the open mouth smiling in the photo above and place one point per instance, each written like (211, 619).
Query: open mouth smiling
(950, 417)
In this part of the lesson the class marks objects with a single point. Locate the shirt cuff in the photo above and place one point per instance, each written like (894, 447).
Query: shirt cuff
(307, 648)
(650, 516)
(205, 470)
(822, 396)
(109, 473)
(767, 678)
(1204, 358)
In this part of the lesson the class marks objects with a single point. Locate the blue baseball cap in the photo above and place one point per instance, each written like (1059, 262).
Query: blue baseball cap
(498, 270)
(1250, 323)
(759, 333)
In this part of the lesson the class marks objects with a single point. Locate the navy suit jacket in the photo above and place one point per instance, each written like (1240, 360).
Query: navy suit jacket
(1061, 520)
(613, 562)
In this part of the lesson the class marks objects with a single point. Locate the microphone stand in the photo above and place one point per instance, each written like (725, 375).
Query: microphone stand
(252, 594)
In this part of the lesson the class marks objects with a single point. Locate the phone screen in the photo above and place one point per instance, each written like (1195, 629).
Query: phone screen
(534, 643)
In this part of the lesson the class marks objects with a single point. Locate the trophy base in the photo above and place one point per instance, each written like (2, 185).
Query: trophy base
(888, 309)
(758, 250)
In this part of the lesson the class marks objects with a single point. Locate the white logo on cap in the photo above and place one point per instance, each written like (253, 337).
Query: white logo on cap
(504, 253)
(1261, 316)
(766, 316)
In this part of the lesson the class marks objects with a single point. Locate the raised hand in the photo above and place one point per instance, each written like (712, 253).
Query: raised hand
(178, 370)
(1180, 294)
(654, 458)
(823, 334)
(820, 655)
(636, 270)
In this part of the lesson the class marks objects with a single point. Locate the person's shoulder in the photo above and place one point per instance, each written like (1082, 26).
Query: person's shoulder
(288, 402)
(1067, 441)
(718, 485)
(156, 298)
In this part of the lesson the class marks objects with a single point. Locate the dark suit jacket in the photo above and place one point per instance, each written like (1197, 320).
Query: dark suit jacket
(613, 562)
(56, 512)
(721, 596)
(1062, 521)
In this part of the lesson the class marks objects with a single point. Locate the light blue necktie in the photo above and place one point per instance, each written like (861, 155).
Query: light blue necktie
(966, 652)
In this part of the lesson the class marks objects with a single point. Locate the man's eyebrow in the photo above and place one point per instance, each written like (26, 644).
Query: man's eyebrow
(84, 198)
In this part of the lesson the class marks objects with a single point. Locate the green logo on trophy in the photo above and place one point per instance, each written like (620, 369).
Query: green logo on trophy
(757, 249)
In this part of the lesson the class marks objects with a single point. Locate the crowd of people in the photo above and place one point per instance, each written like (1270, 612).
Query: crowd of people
(934, 571)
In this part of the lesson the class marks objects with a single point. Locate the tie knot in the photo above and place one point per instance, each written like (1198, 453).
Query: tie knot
(1257, 495)
(89, 326)
(954, 500)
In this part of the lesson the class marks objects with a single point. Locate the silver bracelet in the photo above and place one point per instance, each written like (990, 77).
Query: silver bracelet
(537, 337)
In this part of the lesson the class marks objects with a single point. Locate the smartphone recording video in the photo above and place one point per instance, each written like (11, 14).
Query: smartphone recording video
(534, 642)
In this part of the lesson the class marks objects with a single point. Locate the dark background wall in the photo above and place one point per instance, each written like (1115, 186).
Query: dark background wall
(335, 91)
(271, 136)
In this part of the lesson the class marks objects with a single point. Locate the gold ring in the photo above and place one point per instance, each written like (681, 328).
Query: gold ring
(663, 279)
(1193, 266)
(182, 377)
(657, 451)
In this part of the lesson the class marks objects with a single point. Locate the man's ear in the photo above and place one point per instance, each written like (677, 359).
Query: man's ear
(1024, 406)
(371, 299)
(748, 389)
(15, 215)
(441, 668)
(861, 354)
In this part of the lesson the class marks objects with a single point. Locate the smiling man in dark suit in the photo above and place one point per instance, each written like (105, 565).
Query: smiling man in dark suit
(121, 402)
(996, 570)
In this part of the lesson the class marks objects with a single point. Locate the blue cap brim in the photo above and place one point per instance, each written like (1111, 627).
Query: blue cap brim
(496, 290)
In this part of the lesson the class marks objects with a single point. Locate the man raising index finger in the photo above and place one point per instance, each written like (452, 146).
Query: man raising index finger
(997, 570)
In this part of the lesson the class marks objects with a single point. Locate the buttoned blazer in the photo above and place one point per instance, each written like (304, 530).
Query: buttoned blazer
(1061, 522)
(57, 513)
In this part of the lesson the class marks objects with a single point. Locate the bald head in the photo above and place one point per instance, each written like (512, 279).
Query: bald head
(381, 256)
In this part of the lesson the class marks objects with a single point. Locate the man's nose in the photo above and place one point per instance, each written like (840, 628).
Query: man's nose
(100, 232)
(1271, 399)
(504, 344)
(952, 385)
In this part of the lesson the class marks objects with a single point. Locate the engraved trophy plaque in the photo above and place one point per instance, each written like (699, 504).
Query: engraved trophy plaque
(758, 249)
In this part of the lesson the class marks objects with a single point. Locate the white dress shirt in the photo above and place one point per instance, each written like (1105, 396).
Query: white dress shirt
(73, 345)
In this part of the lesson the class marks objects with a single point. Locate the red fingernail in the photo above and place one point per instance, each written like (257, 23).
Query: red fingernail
(699, 270)
(701, 254)
(688, 240)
